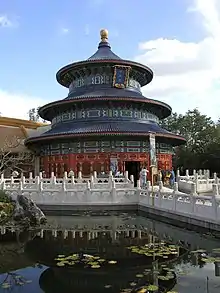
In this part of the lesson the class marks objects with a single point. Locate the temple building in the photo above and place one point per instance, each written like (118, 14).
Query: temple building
(105, 123)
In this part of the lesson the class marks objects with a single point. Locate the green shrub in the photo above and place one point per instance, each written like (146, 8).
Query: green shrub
(4, 197)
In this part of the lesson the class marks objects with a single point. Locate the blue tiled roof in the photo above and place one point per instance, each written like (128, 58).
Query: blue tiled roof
(104, 52)
(104, 91)
(106, 127)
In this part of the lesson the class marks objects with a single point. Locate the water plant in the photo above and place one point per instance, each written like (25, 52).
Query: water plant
(13, 279)
(156, 250)
(88, 261)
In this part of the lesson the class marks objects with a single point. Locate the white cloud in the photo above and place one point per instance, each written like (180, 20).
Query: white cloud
(17, 105)
(187, 74)
(6, 22)
(64, 31)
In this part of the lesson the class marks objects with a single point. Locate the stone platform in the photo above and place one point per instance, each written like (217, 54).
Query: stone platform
(69, 194)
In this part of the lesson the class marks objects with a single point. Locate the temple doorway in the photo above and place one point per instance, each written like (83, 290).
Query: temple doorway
(133, 168)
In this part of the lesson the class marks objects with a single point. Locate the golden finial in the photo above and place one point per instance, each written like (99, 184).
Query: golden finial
(104, 35)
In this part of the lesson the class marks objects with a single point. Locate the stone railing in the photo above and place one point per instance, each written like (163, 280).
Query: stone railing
(201, 179)
(64, 194)
(66, 183)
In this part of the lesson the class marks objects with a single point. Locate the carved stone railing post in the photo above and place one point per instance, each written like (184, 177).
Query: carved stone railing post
(21, 185)
(193, 189)
(196, 181)
(88, 192)
(65, 175)
(187, 173)
(53, 180)
(113, 190)
(126, 176)
(30, 175)
(178, 175)
(138, 184)
(95, 176)
(64, 185)
(175, 187)
(160, 185)
(12, 180)
(72, 180)
(148, 185)
(92, 181)
(40, 175)
(215, 178)
(215, 190)
(37, 182)
(40, 185)
(80, 176)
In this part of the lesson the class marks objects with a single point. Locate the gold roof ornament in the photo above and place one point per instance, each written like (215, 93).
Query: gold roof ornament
(104, 35)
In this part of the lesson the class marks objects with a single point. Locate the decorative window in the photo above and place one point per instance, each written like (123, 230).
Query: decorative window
(91, 150)
(90, 143)
(133, 143)
(105, 143)
(93, 113)
(104, 113)
(74, 115)
(163, 145)
(107, 79)
(133, 150)
(55, 152)
(66, 116)
(119, 143)
(126, 113)
(115, 113)
(97, 79)
(102, 79)
(93, 80)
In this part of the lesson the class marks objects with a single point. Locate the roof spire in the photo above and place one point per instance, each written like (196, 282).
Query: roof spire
(104, 35)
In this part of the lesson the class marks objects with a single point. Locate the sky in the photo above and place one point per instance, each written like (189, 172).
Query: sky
(178, 39)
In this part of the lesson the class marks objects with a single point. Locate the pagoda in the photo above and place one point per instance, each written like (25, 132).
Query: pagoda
(105, 123)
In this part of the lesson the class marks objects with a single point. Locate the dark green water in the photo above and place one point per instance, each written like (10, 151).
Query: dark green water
(108, 253)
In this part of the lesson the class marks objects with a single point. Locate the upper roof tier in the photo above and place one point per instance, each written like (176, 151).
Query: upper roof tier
(104, 51)
(103, 55)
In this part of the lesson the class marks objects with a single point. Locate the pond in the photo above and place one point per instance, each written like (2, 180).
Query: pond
(108, 252)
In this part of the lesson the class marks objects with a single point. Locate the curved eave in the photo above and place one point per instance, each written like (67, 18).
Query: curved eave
(80, 64)
(175, 140)
(44, 110)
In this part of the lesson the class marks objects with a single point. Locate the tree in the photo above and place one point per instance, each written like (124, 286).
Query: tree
(14, 156)
(33, 114)
(202, 139)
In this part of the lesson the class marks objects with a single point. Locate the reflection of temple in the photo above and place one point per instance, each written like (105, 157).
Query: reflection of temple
(107, 243)
(105, 122)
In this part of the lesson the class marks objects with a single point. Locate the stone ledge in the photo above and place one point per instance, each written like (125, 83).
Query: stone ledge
(159, 214)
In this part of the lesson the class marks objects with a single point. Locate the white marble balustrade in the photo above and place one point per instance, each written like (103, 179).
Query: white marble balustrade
(112, 193)
(61, 184)
(204, 183)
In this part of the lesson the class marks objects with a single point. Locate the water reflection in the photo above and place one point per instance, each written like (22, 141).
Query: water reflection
(111, 253)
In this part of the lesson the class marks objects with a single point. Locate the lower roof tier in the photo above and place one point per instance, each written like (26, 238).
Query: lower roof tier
(108, 128)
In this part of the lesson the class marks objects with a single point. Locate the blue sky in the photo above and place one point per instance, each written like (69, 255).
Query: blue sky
(42, 36)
